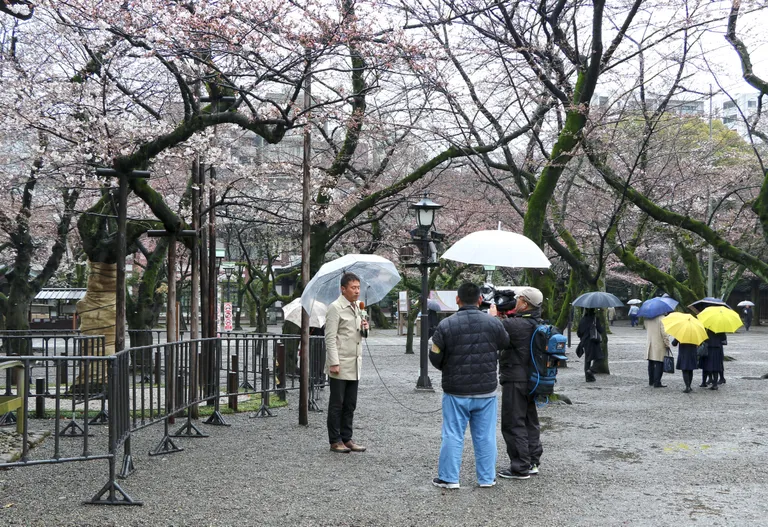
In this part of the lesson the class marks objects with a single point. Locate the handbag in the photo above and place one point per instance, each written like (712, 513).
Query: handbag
(702, 352)
(580, 350)
(594, 334)
(669, 362)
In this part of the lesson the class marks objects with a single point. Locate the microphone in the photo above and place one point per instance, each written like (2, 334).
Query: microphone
(364, 316)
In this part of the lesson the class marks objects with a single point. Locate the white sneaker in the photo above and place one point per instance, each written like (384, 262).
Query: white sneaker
(534, 470)
(487, 485)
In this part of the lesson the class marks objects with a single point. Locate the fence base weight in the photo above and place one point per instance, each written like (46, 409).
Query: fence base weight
(263, 412)
(166, 446)
(112, 494)
(216, 419)
(189, 429)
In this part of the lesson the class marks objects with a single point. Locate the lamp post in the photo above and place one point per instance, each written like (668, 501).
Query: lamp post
(220, 255)
(229, 268)
(424, 237)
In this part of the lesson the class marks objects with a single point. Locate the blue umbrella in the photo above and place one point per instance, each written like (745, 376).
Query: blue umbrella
(657, 306)
(669, 300)
(597, 299)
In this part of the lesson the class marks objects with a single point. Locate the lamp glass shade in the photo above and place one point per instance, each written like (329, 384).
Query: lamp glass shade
(425, 217)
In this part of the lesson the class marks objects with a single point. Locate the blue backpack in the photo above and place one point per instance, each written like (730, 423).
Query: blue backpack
(547, 348)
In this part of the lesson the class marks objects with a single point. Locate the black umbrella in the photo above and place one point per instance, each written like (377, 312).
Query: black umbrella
(704, 303)
(597, 299)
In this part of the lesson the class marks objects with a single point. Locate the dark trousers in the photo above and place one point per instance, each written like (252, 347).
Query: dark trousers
(588, 363)
(655, 371)
(520, 426)
(341, 409)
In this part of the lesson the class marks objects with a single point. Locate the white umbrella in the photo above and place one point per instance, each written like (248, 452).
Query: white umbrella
(377, 278)
(745, 303)
(292, 313)
(634, 301)
(499, 248)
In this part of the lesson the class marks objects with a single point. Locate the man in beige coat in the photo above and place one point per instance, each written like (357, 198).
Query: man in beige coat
(344, 358)
(656, 348)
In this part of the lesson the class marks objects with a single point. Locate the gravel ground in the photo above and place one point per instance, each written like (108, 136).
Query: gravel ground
(622, 454)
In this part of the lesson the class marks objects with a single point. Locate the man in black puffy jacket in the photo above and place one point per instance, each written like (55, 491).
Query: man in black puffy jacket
(465, 348)
(519, 419)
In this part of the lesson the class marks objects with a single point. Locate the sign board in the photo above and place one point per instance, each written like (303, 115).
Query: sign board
(227, 316)
(402, 301)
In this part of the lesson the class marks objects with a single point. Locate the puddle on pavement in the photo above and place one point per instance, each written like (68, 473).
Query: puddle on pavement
(613, 453)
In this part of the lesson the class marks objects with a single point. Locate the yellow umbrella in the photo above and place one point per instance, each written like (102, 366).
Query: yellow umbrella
(720, 319)
(685, 328)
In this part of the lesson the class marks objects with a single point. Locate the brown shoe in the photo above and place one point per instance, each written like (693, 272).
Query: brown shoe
(339, 448)
(354, 447)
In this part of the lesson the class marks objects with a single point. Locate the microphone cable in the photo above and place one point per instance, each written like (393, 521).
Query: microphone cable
(370, 355)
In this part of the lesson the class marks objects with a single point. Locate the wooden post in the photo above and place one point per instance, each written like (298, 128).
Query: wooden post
(122, 215)
(305, 231)
(170, 310)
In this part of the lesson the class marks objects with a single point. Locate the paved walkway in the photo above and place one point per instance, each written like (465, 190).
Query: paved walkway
(622, 454)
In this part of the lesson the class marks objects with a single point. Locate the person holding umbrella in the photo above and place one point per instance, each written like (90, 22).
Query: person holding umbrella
(688, 333)
(590, 333)
(657, 344)
(719, 320)
(747, 317)
(344, 358)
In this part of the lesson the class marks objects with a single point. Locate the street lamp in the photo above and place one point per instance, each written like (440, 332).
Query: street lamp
(424, 238)
(229, 268)
(489, 269)
(220, 255)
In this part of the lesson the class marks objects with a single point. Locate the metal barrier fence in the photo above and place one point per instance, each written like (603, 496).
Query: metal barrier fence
(139, 387)
(93, 380)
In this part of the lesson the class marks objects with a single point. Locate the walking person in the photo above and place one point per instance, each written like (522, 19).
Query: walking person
(686, 362)
(590, 333)
(747, 316)
(657, 344)
(611, 312)
(519, 418)
(465, 349)
(712, 364)
(633, 315)
(344, 328)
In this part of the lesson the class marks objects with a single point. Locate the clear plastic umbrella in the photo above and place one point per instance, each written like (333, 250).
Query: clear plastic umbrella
(634, 301)
(745, 303)
(378, 276)
(292, 313)
(499, 248)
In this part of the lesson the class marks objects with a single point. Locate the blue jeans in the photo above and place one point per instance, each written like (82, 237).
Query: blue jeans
(481, 416)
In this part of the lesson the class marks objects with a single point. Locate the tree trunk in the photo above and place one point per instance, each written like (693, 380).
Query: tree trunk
(412, 313)
(378, 318)
(97, 312)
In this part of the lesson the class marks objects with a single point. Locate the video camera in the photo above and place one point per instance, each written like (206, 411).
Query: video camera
(503, 296)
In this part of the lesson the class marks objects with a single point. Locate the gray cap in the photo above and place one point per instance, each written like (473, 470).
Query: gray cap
(531, 295)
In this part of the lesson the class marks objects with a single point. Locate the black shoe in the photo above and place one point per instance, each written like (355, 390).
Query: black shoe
(713, 387)
(722, 380)
(437, 482)
(659, 385)
(703, 385)
(687, 389)
(508, 474)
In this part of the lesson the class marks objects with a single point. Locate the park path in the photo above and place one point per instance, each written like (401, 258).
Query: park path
(622, 454)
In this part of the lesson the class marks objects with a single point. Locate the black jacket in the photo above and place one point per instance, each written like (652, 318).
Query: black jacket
(592, 350)
(465, 348)
(515, 360)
